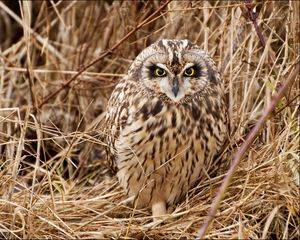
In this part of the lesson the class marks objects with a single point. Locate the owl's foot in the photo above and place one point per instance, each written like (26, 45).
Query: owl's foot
(159, 210)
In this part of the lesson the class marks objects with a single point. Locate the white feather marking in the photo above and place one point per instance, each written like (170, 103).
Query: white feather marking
(163, 67)
(188, 65)
(167, 89)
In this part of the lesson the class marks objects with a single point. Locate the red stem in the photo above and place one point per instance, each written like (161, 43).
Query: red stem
(104, 54)
(245, 146)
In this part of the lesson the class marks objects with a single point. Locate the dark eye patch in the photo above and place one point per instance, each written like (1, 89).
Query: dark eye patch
(151, 71)
(155, 71)
(197, 72)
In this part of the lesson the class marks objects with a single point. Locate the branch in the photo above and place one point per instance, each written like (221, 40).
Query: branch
(287, 104)
(103, 55)
(251, 15)
(245, 146)
(249, 7)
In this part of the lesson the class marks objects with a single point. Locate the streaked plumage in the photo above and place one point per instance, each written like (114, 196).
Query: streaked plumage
(165, 122)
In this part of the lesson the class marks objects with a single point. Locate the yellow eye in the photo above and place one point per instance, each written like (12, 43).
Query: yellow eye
(189, 72)
(159, 72)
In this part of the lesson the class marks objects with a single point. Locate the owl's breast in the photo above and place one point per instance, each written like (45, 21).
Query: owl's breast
(166, 144)
(157, 132)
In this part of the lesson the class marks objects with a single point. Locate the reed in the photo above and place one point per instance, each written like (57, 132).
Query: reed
(59, 62)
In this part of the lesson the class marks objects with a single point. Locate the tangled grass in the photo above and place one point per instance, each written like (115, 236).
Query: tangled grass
(54, 181)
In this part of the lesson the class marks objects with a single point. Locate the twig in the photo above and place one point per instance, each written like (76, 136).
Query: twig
(287, 104)
(249, 7)
(103, 55)
(245, 146)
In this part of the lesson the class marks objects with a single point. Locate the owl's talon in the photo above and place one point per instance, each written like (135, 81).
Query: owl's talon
(159, 210)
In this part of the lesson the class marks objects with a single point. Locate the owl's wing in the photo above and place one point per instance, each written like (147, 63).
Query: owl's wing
(116, 118)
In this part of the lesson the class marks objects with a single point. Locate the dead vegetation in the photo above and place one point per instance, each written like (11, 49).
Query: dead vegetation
(54, 182)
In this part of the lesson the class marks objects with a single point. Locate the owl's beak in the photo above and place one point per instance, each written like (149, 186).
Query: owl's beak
(175, 87)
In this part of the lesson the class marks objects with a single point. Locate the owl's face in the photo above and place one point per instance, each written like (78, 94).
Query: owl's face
(175, 69)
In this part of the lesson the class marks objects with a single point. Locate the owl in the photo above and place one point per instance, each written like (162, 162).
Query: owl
(165, 122)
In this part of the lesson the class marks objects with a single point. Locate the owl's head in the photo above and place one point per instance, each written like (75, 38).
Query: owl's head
(175, 69)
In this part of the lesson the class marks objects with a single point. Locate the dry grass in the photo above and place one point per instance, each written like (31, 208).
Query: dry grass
(54, 182)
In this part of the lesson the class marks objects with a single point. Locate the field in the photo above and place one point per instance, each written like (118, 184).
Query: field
(59, 62)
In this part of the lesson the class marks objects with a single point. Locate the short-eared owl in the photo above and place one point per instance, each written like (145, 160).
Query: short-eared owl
(165, 122)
